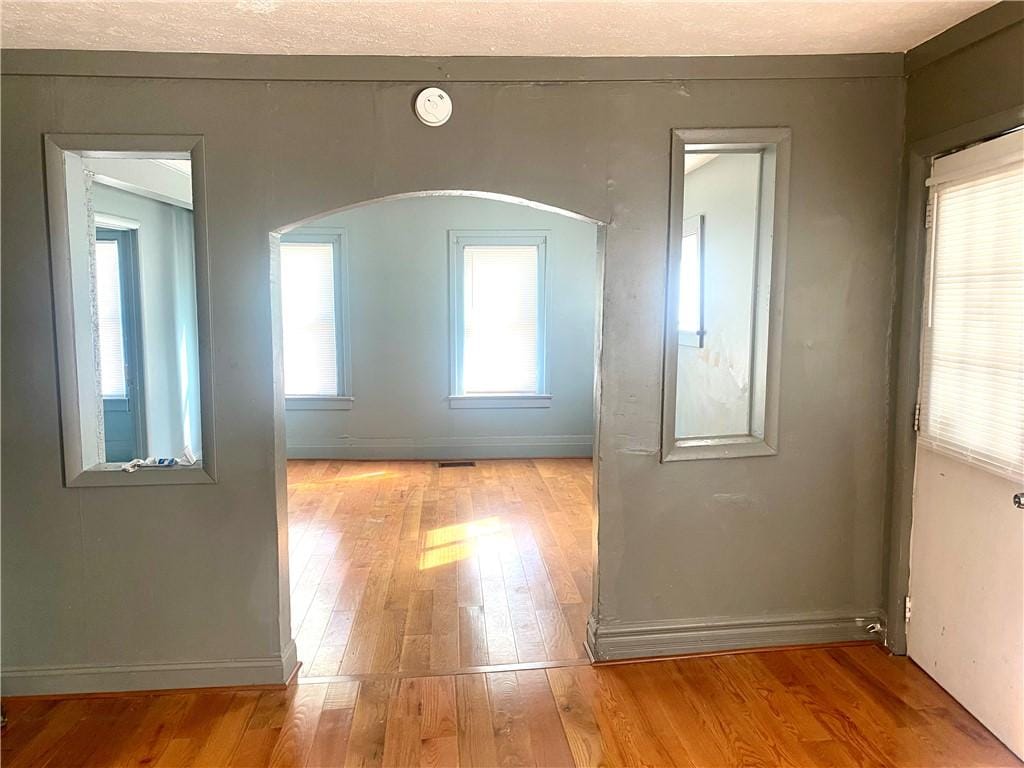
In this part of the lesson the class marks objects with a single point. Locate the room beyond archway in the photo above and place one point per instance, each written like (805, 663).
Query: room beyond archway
(438, 376)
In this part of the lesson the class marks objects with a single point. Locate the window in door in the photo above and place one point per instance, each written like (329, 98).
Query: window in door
(314, 303)
(497, 319)
(972, 385)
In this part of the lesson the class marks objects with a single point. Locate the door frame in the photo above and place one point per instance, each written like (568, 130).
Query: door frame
(131, 321)
(905, 359)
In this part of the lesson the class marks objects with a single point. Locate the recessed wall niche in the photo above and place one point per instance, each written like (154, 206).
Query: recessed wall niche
(130, 279)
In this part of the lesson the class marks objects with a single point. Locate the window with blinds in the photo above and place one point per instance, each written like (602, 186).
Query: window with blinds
(109, 311)
(972, 382)
(500, 322)
(309, 313)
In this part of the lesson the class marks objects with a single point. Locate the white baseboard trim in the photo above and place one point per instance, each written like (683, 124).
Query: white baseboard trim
(34, 681)
(661, 638)
(433, 449)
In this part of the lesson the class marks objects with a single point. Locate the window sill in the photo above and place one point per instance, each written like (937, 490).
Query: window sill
(111, 474)
(499, 401)
(319, 403)
(731, 447)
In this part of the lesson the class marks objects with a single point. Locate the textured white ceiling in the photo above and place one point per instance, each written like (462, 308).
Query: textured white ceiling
(475, 27)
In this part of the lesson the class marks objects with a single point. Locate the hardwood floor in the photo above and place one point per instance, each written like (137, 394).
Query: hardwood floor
(440, 614)
(851, 706)
(402, 567)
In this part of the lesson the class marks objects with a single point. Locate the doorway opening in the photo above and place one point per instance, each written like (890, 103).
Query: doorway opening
(439, 379)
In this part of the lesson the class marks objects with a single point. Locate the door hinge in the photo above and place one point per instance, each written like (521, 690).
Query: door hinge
(906, 609)
(917, 417)
(928, 214)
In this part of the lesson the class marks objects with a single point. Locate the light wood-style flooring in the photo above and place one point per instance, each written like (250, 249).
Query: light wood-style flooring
(404, 567)
(440, 614)
(851, 706)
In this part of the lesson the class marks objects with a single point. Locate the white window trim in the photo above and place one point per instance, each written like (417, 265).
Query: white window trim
(344, 400)
(458, 239)
(312, 403)
(112, 221)
(499, 401)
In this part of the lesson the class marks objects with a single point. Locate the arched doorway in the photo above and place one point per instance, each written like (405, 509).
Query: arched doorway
(437, 404)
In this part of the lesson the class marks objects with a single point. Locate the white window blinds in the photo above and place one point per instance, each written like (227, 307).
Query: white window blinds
(972, 383)
(310, 324)
(500, 318)
(111, 324)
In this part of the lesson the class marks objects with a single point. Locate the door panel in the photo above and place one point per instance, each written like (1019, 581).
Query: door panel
(120, 430)
(966, 619)
(967, 587)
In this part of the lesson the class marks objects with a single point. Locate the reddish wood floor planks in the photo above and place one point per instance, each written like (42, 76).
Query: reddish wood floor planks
(852, 706)
(407, 577)
(402, 567)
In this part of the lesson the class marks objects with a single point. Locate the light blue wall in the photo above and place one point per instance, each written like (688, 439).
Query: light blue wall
(167, 297)
(398, 316)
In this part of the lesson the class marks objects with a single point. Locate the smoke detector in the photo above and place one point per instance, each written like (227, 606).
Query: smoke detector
(433, 107)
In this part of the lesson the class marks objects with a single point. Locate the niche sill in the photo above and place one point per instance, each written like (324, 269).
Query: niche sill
(727, 447)
(499, 401)
(319, 403)
(111, 474)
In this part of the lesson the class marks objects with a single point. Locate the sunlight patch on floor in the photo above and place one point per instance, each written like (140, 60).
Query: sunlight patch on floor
(462, 531)
(310, 484)
(450, 553)
(452, 543)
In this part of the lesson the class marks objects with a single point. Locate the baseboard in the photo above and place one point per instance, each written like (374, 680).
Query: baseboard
(289, 662)
(34, 681)
(433, 449)
(645, 639)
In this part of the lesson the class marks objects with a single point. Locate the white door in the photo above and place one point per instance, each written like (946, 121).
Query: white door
(966, 626)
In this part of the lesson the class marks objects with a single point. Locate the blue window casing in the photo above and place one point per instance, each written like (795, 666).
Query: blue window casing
(457, 242)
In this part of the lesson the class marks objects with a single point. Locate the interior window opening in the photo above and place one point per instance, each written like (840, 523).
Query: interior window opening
(723, 301)
(128, 262)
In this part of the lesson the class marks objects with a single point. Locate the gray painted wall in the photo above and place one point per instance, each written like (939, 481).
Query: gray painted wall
(167, 297)
(965, 85)
(168, 583)
(399, 320)
(975, 78)
(713, 389)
